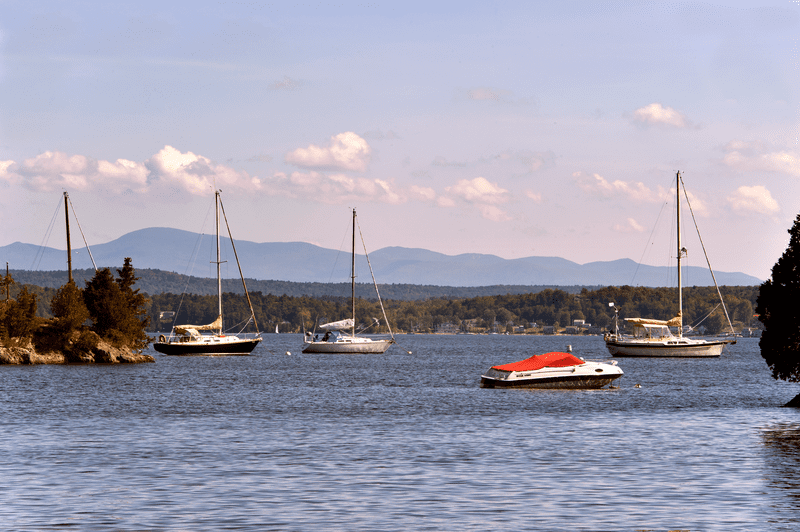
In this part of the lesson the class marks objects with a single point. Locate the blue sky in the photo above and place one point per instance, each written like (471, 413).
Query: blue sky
(511, 128)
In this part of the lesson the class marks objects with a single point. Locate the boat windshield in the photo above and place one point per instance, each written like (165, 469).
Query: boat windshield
(652, 331)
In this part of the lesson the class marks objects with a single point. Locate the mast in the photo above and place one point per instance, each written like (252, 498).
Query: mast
(353, 274)
(69, 247)
(219, 273)
(680, 253)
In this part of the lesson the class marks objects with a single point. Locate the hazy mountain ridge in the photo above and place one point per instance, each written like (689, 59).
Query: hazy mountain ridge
(171, 250)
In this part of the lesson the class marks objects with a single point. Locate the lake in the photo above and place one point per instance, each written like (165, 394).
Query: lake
(398, 442)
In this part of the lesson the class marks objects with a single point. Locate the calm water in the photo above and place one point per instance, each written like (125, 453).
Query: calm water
(398, 442)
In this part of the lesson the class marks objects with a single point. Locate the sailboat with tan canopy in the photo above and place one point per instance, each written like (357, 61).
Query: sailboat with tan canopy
(189, 340)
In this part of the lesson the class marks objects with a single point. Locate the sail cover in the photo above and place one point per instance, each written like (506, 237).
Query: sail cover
(338, 325)
(215, 326)
(547, 360)
(674, 322)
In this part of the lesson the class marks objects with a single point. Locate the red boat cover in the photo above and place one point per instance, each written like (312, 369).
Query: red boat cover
(547, 360)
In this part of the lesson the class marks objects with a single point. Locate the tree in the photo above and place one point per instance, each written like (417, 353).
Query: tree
(117, 311)
(68, 307)
(777, 309)
(20, 317)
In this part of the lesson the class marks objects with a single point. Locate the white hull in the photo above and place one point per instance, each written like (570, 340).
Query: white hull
(676, 347)
(356, 345)
(589, 375)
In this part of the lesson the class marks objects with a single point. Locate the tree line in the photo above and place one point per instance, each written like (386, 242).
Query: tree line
(553, 307)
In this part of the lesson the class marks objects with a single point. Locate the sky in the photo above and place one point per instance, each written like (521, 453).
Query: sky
(509, 128)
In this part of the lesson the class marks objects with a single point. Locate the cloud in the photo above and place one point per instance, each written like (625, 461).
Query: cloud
(478, 190)
(630, 226)
(655, 114)
(423, 193)
(195, 174)
(535, 196)
(755, 157)
(598, 185)
(286, 84)
(346, 151)
(481, 193)
(753, 199)
(486, 93)
(55, 170)
(330, 188)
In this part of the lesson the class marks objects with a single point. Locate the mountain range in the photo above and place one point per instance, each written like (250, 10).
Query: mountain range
(188, 253)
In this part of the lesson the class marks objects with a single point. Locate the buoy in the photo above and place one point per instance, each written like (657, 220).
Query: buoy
(637, 385)
(288, 353)
(569, 349)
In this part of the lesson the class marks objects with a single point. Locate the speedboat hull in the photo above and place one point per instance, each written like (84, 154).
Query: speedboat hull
(223, 346)
(563, 371)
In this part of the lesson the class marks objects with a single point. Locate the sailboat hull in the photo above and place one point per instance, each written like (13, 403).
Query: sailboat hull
(207, 347)
(679, 349)
(361, 346)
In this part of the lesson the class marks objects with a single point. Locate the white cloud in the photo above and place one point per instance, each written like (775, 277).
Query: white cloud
(754, 157)
(346, 151)
(630, 226)
(423, 193)
(51, 171)
(478, 190)
(194, 173)
(598, 185)
(493, 213)
(331, 188)
(481, 193)
(535, 196)
(753, 199)
(655, 113)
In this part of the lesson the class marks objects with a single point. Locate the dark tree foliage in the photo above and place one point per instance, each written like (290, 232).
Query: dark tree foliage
(19, 319)
(68, 308)
(117, 310)
(777, 309)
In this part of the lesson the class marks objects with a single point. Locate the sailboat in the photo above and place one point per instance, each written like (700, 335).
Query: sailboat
(336, 339)
(190, 340)
(653, 338)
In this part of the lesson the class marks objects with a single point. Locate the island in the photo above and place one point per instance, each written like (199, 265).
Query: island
(103, 323)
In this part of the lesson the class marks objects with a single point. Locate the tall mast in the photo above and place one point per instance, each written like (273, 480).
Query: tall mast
(219, 273)
(680, 253)
(69, 247)
(353, 274)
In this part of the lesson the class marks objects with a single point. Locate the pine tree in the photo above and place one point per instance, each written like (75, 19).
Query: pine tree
(69, 308)
(778, 310)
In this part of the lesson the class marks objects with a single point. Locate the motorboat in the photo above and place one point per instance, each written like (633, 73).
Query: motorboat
(552, 370)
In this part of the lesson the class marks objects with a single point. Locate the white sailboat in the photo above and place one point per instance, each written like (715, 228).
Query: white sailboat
(653, 338)
(336, 339)
(190, 340)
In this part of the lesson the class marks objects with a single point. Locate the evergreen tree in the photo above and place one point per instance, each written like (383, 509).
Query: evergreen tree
(68, 307)
(117, 310)
(20, 317)
(778, 310)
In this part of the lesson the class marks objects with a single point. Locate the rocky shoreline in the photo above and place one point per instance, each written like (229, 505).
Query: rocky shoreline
(103, 353)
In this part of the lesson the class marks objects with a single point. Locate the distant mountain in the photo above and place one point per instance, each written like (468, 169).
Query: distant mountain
(189, 253)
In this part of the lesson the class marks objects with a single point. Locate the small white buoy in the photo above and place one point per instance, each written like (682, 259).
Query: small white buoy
(569, 349)
(637, 385)
(288, 353)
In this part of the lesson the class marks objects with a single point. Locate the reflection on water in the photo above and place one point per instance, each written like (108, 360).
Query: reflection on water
(398, 442)
(782, 468)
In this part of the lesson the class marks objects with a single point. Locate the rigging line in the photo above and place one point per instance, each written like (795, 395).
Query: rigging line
(241, 275)
(377, 292)
(75, 214)
(190, 265)
(40, 252)
(649, 240)
(710, 269)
